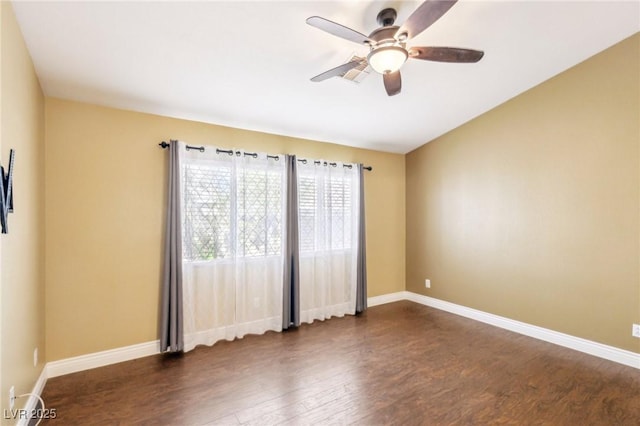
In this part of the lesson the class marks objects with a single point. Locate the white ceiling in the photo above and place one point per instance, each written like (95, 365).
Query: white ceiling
(248, 64)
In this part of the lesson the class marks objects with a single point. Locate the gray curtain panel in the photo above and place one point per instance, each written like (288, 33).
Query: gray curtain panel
(171, 326)
(361, 279)
(291, 289)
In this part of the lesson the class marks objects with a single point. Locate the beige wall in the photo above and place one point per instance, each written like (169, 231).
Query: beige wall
(105, 205)
(531, 211)
(22, 252)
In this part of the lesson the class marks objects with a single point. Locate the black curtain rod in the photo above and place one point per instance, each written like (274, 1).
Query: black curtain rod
(230, 152)
(164, 145)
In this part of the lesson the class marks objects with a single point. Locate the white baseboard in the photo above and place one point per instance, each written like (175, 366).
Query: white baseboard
(127, 353)
(600, 350)
(386, 298)
(100, 359)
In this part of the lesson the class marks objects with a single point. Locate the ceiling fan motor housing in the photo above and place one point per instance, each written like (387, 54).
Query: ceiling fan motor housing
(387, 53)
(384, 34)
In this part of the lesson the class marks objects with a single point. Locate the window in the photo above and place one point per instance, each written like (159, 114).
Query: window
(259, 212)
(324, 212)
(231, 211)
(206, 220)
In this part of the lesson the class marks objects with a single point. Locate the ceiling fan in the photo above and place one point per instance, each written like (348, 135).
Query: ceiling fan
(388, 44)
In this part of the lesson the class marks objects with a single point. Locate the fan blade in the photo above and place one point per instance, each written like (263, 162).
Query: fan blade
(392, 82)
(339, 70)
(445, 54)
(338, 30)
(425, 15)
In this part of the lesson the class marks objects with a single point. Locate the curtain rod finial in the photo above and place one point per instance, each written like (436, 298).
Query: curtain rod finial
(163, 144)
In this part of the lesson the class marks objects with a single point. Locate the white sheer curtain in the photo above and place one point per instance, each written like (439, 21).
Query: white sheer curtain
(328, 203)
(232, 227)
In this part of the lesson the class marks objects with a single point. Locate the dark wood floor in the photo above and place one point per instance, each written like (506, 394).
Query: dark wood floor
(400, 363)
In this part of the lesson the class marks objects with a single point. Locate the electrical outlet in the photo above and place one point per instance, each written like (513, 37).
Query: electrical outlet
(35, 357)
(427, 283)
(12, 397)
(635, 331)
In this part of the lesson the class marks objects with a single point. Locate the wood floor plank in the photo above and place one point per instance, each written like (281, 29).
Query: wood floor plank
(398, 364)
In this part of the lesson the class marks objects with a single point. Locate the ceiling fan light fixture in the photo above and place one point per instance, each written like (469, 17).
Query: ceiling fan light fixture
(387, 59)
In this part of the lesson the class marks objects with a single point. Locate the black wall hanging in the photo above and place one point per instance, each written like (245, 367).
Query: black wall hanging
(6, 192)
